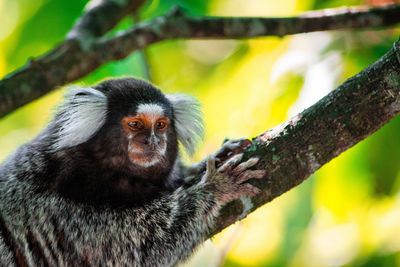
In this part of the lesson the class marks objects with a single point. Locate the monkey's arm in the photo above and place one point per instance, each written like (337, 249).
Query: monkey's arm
(181, 221)
(176, 225)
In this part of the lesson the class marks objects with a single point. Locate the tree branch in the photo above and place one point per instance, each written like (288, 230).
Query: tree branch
(293, 151)
(80, 54)
(100, 17)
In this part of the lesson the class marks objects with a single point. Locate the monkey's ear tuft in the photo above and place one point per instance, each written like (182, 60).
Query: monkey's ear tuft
(188, 120)
(81, 115)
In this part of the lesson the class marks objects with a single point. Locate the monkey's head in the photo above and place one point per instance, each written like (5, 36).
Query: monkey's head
(128, 122)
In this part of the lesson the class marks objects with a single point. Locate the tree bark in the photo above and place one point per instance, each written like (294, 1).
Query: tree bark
(293, 151)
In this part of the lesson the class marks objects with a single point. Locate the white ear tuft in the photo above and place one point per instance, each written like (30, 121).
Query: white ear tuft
(188, 120)
(81, 115)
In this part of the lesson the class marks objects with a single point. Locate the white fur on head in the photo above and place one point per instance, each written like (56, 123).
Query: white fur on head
(151, 109)
(80, 116)
(188, 120)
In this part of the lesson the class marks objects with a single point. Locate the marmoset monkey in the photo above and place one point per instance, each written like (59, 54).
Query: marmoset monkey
(103, 185)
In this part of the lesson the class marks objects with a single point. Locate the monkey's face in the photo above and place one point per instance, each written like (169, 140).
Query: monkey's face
(146, 133)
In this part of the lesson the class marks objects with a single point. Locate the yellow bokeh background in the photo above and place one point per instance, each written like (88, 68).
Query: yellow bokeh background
(346, 214)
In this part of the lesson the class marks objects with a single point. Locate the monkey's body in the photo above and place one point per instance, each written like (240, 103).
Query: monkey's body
(102, 184)
(44, 229)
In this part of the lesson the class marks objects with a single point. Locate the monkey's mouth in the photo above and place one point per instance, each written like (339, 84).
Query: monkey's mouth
(146, 158)
(145, 155)
(149, 154)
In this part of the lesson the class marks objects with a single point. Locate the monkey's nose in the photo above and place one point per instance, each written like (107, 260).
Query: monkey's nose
(153, 147)
(152, 143)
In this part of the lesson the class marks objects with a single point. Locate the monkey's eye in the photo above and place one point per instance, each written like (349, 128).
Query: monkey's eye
(135, 124)
(161, 125)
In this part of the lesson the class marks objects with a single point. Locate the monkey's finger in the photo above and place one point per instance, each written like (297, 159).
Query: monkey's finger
(210, 169)
(245, 165)
(248, 190)
(232, 162)
(237, 143)
(226, 140)
(210, 165)
(232, 147)
(247, 175)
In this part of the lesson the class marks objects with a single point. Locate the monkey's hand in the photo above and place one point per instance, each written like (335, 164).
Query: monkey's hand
(228, 176)
(229, 148)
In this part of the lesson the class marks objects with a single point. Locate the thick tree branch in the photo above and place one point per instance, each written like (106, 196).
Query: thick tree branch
(293, 151)
(80, 54)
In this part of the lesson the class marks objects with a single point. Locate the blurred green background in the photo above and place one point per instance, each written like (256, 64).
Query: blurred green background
(346, 214)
